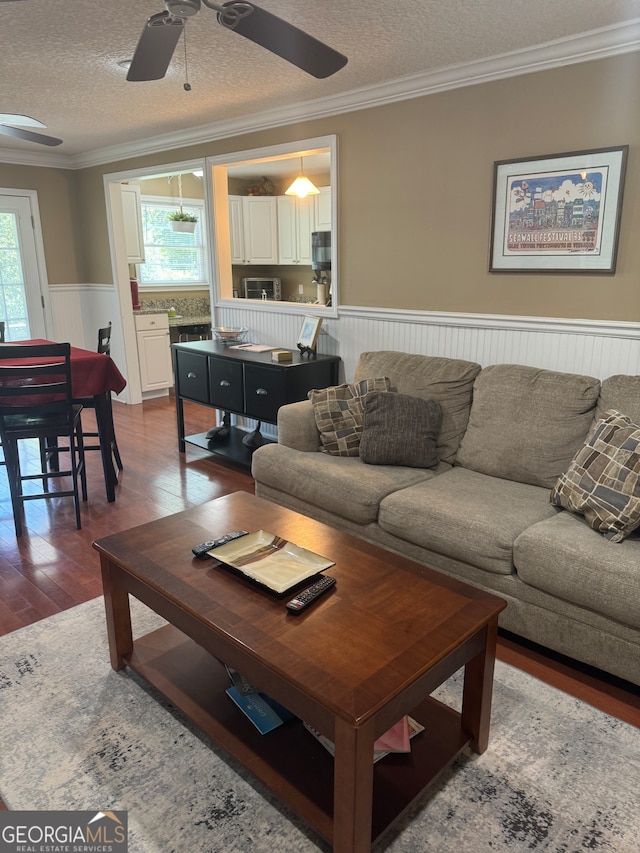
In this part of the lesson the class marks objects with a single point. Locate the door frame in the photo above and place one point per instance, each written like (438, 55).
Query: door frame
(119, 264)
(38, 244)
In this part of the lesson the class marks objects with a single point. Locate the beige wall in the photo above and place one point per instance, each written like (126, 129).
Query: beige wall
(57, 203)
(415, 183)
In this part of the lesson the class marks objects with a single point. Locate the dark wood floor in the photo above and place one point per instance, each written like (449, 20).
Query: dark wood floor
(53, 566)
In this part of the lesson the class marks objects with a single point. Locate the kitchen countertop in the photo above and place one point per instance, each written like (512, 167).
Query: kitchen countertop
(198, 320)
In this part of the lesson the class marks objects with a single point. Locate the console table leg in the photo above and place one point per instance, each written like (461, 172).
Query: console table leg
(118, 613)
(352, 788)
(478, 690)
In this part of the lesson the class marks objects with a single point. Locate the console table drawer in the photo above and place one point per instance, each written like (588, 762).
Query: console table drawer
(241, 383)
(225, 384)
(193, 377)
(264, 392)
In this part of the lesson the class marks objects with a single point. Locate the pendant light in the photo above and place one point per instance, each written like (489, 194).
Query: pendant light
(302, 186)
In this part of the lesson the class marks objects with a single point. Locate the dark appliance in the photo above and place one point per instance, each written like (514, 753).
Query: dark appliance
(321, 250)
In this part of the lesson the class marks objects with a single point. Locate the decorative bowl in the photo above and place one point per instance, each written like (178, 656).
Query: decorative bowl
(229, 334)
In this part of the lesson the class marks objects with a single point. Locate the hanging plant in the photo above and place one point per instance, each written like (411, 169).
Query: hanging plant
(179, 220)
(181, 216)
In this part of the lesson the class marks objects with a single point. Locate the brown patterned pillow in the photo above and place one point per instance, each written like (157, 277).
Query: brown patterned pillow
(400, 429)
(339, 414)
(603, 480)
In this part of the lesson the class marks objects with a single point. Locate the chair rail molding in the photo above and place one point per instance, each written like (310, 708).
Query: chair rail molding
(597, 348)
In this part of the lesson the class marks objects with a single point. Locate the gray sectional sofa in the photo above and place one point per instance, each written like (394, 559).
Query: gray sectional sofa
(483, 514)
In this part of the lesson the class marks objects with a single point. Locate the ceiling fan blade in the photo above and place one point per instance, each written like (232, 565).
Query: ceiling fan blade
(19, 119)
(285, 40)
(29, 135)
(155, 48)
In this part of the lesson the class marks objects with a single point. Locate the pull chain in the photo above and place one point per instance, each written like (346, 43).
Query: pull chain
(187, 85)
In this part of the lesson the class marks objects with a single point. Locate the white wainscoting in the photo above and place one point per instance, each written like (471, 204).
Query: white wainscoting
(66, 313)
(79, 310)
(593, 348)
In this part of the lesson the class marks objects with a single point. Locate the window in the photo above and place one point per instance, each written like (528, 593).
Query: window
(171, 257)
(13, 306)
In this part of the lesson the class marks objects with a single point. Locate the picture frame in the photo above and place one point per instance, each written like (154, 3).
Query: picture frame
(558, 213)
(309, 332)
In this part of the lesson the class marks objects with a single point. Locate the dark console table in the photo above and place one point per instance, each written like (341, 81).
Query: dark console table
(244, 383)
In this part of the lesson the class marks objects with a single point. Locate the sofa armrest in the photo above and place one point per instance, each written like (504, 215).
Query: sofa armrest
(297, 426)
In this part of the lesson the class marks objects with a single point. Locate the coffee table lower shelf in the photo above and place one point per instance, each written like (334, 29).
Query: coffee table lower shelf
(288, 760)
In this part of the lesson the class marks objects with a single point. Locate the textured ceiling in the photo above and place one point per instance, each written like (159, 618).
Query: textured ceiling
(59, 59)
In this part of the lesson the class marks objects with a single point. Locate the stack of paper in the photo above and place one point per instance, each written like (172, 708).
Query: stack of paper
(395, 739)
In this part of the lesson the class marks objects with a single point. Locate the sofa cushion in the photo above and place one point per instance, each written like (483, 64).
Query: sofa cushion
(339, 414)
(526, 424)
(603, 480)
(447, 380)
(622, 393)
(400, 429)
(565, 558)
(466, 516)
(338, 484)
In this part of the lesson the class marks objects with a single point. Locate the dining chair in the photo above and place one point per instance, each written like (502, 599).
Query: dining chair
(36, 402)
(104, 346)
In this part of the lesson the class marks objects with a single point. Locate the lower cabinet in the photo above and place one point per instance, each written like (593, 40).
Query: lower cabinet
(242, 383)
(154, 351)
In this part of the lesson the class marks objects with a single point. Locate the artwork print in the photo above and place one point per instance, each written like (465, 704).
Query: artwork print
(558, 214)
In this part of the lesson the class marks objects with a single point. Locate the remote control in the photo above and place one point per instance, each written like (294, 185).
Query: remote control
(306, 596)
(202, 551)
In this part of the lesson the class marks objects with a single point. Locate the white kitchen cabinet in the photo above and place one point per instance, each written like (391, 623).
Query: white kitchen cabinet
(132, 216)
(253, 226)
(154, 351)
(236, 229)
(296, 221)
(323, 209)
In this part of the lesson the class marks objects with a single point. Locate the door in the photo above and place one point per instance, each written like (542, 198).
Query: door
(22, 291)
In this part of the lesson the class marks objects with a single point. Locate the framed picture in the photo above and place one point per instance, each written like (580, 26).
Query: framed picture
(558, 214)
(309, 332)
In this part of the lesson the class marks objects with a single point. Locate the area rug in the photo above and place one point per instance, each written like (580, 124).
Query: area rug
(558, 776)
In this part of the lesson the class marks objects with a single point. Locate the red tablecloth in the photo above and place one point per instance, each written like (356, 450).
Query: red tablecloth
(91, 372)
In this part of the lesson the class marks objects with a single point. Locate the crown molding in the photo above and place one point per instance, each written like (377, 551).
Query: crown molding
(585, 47)
(13, 157)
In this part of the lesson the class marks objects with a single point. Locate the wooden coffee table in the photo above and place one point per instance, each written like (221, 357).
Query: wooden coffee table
(351, 665)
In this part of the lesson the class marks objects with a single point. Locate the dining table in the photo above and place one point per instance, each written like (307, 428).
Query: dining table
(95, 375)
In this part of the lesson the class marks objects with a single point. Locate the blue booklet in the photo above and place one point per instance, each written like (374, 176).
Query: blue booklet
(264, 712)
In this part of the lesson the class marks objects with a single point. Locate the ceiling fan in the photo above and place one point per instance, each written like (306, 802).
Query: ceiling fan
(162, 32)
(8, 128)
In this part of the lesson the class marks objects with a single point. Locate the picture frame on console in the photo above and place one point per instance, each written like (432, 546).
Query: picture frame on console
(558, 213)
(308, 336)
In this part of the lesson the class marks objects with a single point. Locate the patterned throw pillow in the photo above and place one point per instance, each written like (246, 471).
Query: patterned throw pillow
(339, 414)
(400, 429)
(603, 480)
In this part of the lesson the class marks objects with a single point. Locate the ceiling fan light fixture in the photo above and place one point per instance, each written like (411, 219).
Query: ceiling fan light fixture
(302, 186)
(182, 8)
